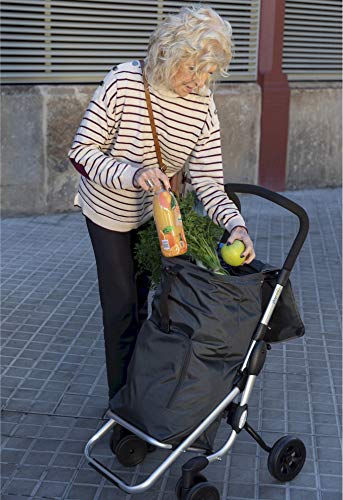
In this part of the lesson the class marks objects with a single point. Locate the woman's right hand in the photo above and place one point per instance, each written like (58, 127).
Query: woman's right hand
(150, 178)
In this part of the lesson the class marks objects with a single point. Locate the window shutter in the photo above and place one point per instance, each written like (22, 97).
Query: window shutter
(313, 40)
(71, 41)
(60, 41)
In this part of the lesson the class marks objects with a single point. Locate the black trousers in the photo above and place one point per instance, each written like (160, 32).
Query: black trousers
(123, 297)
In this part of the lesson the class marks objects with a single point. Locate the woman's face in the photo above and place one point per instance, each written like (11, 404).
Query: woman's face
(186, 81)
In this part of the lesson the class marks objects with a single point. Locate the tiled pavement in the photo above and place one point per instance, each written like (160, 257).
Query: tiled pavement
(53, 375)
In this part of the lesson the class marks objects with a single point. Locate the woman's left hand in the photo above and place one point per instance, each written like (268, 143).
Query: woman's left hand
(239, 233)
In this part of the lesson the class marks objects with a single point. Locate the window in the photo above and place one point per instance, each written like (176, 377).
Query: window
(313, 40)
(70, 41)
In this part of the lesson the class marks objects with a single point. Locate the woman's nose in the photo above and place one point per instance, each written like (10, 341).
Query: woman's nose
(201, 80)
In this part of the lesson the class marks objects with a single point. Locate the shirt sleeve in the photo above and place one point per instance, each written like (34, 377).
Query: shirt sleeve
(207, 176)
(89, 151)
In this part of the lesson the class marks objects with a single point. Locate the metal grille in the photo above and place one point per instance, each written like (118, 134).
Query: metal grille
(60, 41)
(313, 40)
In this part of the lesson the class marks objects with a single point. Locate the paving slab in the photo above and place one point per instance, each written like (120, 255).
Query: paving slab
(54, 393)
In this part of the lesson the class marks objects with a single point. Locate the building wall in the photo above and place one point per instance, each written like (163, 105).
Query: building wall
(40, 121)
(314, 156)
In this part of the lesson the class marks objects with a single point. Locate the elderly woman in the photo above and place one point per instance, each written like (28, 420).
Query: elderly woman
(114, 151)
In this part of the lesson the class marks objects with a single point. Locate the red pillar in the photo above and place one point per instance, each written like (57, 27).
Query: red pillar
(275, 96)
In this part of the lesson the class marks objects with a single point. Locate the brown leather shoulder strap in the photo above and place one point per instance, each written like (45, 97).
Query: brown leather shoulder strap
(152, 121)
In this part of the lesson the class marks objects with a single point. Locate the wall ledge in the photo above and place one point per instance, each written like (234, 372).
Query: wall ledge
(315, 85)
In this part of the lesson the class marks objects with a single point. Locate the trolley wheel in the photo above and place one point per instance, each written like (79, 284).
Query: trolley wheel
(131, 450)
(199, 478)
(117, 434)
(286, 458)
(203, 491)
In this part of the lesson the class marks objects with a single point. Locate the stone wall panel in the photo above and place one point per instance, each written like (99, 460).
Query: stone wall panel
(65, 107)
(39, 123)
(314, 157)
(23, 176)
(239, 114)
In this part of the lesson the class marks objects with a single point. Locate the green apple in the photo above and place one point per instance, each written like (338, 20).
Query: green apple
(232, 253)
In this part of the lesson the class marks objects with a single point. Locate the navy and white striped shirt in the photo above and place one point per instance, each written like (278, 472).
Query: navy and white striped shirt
(115, 139)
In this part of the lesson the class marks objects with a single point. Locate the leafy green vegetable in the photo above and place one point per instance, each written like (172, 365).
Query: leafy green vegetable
(147, 253)
(202, 236)
(172, 202)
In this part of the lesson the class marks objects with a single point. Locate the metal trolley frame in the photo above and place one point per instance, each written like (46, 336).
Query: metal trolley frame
(249, 370)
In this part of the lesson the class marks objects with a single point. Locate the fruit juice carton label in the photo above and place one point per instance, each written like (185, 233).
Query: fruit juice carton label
(178, 218)
(168, 222)
(168, 235)
(166, 200)
(165, 244)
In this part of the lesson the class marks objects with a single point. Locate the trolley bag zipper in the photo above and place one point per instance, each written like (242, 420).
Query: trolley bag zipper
(183, 372)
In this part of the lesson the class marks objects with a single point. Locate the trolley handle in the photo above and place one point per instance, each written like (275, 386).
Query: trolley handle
(285, 203)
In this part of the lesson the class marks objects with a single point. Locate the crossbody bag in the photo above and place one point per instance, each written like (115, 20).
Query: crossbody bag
(179, 180)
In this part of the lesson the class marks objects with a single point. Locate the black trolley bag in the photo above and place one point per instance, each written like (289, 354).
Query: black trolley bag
(204, 345)
(188, 351)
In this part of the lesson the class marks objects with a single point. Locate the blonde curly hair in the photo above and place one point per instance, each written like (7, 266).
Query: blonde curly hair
(196, 34)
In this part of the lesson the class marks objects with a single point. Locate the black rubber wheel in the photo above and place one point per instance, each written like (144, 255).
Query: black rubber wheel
(131, 450)
(199, 478)
(151, 448)
(203, 491)
(117, 434)
(286, 458)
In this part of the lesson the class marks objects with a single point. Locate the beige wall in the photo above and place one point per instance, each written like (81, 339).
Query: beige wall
(239, 111)
(39, 123)
(314, 156)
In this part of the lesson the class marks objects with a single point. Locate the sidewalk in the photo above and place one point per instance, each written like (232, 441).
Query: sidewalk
(53, 372)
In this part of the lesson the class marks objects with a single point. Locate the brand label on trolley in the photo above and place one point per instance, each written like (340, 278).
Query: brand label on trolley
(272, 303)
(276, 294)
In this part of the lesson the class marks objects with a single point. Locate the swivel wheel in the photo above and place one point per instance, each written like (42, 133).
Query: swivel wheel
(199, 478)
(286, 458)
(203, 491)
(117, 434)
(130, 450)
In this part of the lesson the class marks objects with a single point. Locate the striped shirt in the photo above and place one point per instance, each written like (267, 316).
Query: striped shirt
(114, 140)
